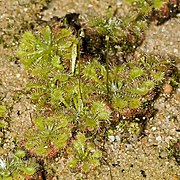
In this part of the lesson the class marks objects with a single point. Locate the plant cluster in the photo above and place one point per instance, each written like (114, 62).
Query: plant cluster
(83, 154)
(159, 10)
(78, 100)
(174, 150)
(2, 111)
(145, 6)
(124, 36)
(16, 167)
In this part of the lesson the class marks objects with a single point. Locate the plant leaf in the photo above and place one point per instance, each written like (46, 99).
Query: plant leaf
(136, 72)
(158, 4)
(73, 163)
(56, 62)
(80, 143)
(42, 149)
(98, 108)
(91, 122)
(134, 103)
(158, 76)
(47, 35)
(97, 154)
(85, 167)
(29, 170)
(119, 103)
(94, 162)
(2, 110)
(39, 123)
(20, 154)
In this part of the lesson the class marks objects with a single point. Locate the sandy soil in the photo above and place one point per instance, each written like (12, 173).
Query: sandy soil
(145, 158)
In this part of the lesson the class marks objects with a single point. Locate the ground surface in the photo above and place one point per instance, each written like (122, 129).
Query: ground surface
(146, 158)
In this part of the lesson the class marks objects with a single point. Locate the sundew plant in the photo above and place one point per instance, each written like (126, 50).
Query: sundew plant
(15, 167)
(146, 6)
(79, 100)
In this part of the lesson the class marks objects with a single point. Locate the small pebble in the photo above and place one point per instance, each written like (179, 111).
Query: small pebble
(153, 128)
(163, 154)
(118, 138)
(18, 75)
(158, 138)
(167, 88)
(129, 147)
(111, 138)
